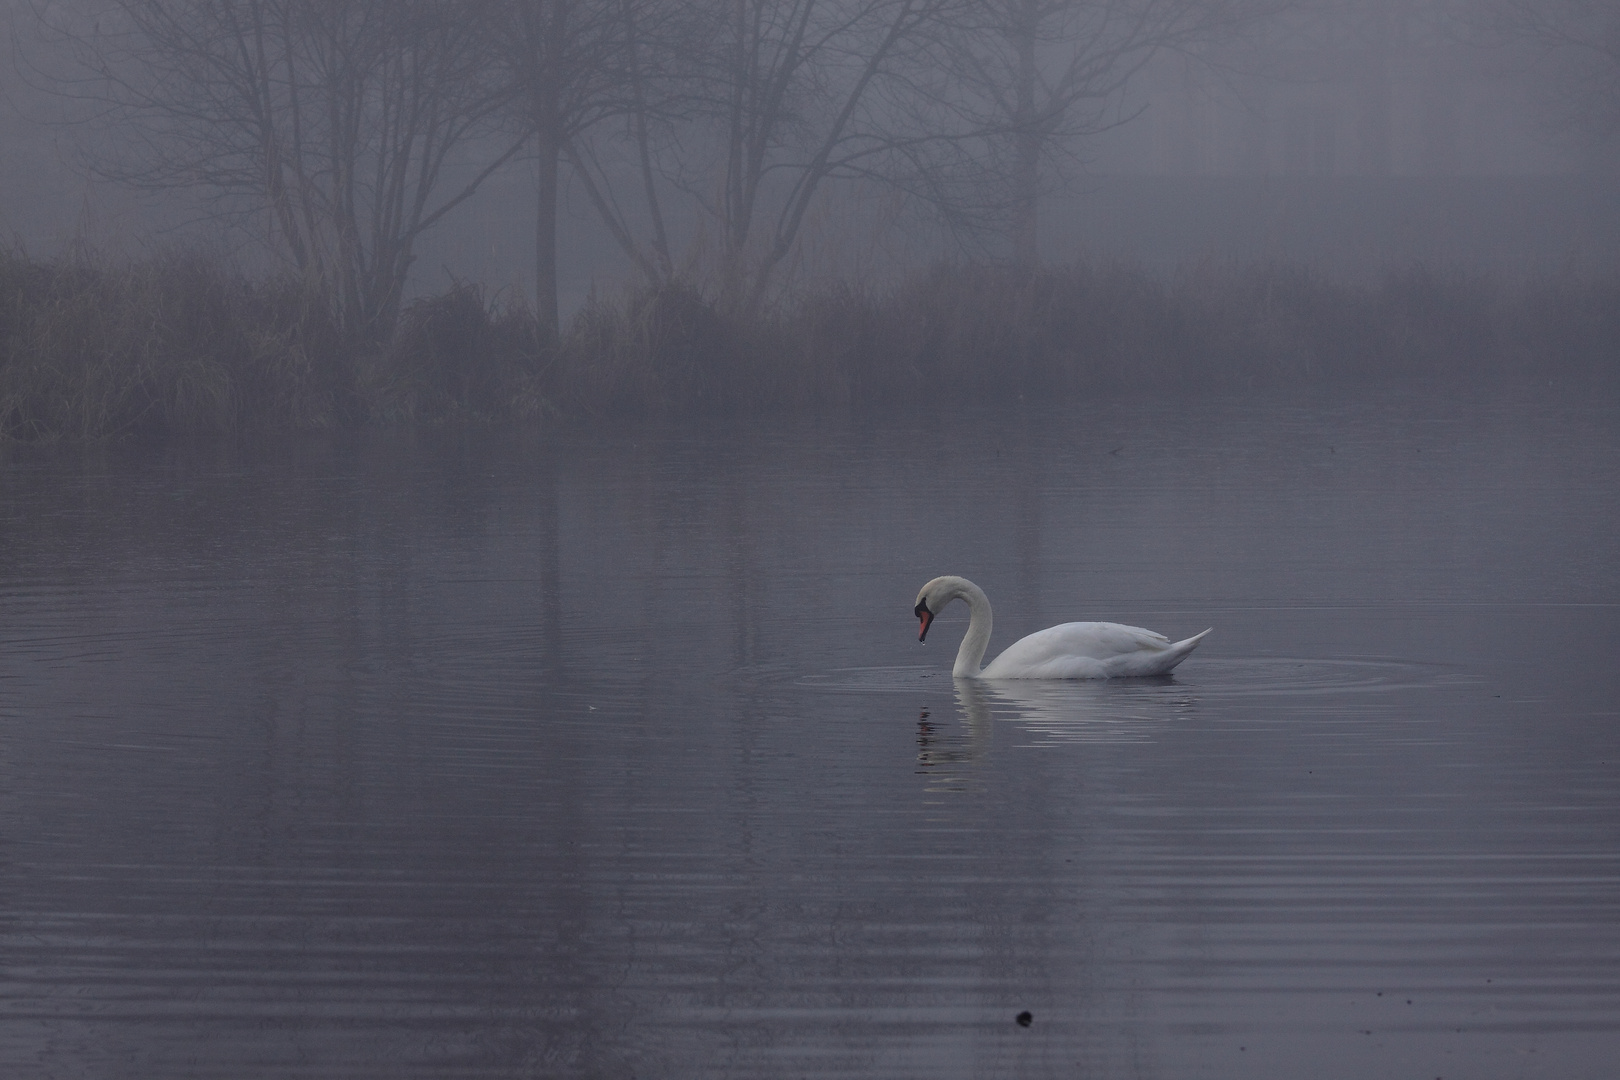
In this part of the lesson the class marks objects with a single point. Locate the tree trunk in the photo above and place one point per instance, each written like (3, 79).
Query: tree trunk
(1374, 98)
(1027, 140)
(1027, 201)
(545, 234)
(548, 32)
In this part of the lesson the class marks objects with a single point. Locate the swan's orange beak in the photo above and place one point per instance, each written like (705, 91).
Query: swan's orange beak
(926, 617)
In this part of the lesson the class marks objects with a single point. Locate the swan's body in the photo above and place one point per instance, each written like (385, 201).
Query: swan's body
(1077, 650)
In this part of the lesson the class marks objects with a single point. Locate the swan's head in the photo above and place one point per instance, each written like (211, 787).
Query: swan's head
(924, 615)
(932, 600)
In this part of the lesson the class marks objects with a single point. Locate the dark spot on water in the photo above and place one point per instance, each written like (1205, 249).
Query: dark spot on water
(1025, 1018)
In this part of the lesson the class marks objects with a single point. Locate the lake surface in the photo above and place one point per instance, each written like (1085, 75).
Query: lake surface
(492, 754)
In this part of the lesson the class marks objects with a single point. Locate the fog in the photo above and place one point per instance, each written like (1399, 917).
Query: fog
(1349, 136)
(467, 469)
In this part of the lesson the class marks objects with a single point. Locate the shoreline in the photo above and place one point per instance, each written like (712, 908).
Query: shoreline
(183, 344)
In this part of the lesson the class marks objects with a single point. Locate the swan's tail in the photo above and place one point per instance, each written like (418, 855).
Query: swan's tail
(1178, 652)
(1186, 645)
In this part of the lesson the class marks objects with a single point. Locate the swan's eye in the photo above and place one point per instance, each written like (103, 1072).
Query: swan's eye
(921, 609)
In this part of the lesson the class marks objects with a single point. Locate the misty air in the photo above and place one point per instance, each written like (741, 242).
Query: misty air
(939, 539)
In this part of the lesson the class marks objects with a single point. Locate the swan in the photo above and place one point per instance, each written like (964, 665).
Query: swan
(1076, 650)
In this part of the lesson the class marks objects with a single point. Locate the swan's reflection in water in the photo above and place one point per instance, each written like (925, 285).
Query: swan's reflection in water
(1041, 713)
(949, 748)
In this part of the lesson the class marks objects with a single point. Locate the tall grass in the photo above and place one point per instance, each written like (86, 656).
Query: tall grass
(173, 343)
(457, 357)
(963, 333)
(180, 343)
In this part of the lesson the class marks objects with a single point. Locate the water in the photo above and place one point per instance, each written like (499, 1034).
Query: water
(488, 755)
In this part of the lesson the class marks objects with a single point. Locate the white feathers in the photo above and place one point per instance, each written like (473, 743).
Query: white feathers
(1077, 650)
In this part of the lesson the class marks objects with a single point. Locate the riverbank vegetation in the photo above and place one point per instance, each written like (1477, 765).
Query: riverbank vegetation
(715, 145)
(184, 344)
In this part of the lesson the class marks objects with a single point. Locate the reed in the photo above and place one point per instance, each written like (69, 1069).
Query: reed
(458, 357)
(175, 343)
(181, 343)
(657, 352)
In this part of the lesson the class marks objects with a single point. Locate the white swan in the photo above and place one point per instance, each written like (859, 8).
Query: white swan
(1076, 650)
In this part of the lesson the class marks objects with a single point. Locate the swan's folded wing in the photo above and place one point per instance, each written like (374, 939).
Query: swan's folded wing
(1090, 651)
(1119, 639)
(1100, 640)
(1079, 650)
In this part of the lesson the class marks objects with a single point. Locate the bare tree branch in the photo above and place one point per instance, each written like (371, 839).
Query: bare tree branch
(336, 119)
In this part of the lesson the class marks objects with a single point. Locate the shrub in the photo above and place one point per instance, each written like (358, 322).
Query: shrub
(182, 343)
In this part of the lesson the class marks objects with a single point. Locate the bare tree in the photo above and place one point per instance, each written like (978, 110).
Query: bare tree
(660, 83)
(798, 78)
(569, 69)
(1042, 73)
(757, 104)
(339, 121)
(1571, 49)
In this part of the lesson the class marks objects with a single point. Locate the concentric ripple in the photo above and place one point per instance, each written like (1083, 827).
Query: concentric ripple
(1226, 678)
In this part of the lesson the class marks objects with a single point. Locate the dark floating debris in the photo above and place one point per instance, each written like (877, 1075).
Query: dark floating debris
(1025, 1018)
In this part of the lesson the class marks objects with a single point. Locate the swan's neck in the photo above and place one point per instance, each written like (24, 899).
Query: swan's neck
(978, 632)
